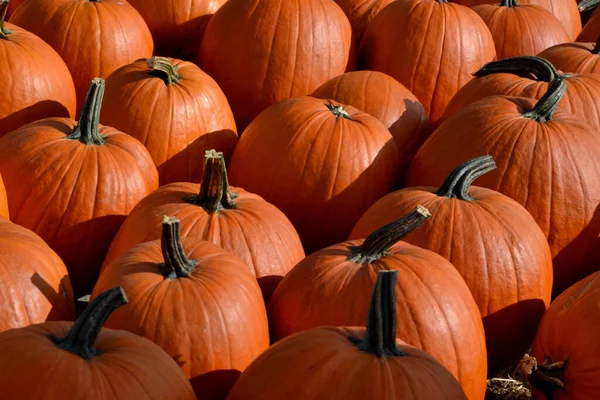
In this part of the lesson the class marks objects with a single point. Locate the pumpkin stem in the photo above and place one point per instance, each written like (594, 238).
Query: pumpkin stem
(214, 189)
(587, 5)
(86, 130)
(81, 339)
(541, 69)
(380, 338)
(458, 182)
(162, 67)
(546, 106)
(338, 110)
(4, 32)
(177, 264)
(548, 377)
(377, 244)
(509, 3)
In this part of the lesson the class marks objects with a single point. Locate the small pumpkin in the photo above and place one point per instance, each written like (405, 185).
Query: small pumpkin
(3, 201)
(332, 287)
(73, 183)
(94, 363)
(176, 110)
(367, 363)
(34, 78)
(577, 58)
(196, 301)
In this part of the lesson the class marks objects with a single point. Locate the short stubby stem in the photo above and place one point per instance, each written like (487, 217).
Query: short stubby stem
(177, 264)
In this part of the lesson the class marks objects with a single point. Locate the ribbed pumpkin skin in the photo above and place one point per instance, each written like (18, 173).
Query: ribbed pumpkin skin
(36, 286)
(497, 247)
(35, 82)
(213, 322)
(279, 49)
(435, 310)
(3, 200)
(322, 171)
(453, 42)
(386, 99)
(577, 57)
(524, 30)
(279, 373)
(94, 38)
(560, 160)
(129, 367)
(74, 196)
(187, 117)
(360, 13)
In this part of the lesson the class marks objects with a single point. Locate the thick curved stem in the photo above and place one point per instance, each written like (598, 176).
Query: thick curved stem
(458, 182)
(541, 69)
(214, 192)
(587, 5)
(546, 106)
(338, 110)
(177, 264)
(4, 32)
(509, 3)
(89, 120)
(162, 67)
(81, 339)
(547, 378)
(377, 244)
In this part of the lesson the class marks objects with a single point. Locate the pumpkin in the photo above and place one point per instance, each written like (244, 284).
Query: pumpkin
(188, 111)
(576, 58)
(217, 322)
(86, 361)
(177, 25)
(3, 201)
(93, 37)
(386, 99)
(486, 236)
(35, 82)
(591, 30)
(366, 363)
(277, 49)
(438, 313)
(239, 221)
(73, 183)
(532, 28)
(441, 45)
(320, 162)
(360, 13)
(36, 287)
(548, 161)
(510, 77)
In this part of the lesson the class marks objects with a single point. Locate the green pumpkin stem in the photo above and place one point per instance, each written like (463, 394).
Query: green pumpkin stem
(457, 184)
(509, 3)
(541, 69)
(377, 244)
(86, 130)
(546, 106)
(4, 32)
(177, 264)
(81, 339)
(547, 378)
(587, 5)
(380, 338)
(162, 68)
(214, 188)
(338, 110)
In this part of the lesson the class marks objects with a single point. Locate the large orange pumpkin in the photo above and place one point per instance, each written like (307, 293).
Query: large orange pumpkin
(264, 51)
(548, 161)
(83, 361)
(3, 200)
(436, 309)
(488, 237)
(35, 82)
(239, 221)
(93, 37)
(195, 300)
(73, 183)
(360, 13)
(176, 110)
(321, 163)
(366, 363)
(386, 99)
(578, 57)
(430, 46)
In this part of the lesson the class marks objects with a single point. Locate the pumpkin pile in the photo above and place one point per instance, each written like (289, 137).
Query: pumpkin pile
(300, 199)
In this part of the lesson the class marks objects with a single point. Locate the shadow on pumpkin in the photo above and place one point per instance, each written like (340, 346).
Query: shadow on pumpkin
(185, 45)
(35, 112)
(63, 303)
(268, 284)
(215, 385)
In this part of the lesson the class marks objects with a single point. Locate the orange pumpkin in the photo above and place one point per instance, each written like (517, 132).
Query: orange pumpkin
(187, 110)
(360, 13)
(3, 201)
(73, 183)
(591, 30)
(436, 309)
(577, 58)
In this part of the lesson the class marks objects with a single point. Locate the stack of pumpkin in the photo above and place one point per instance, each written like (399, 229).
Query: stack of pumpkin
(288, 197)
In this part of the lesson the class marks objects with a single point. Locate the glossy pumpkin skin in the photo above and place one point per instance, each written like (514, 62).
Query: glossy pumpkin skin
(3, 200)
(281, 49)
(577, 58)
(94, 38)
(27, 63)
(454, 40)
(386, 99)
(321, 170)
(360, 13)
(36, 285)
(213, 322)
(188, 117)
